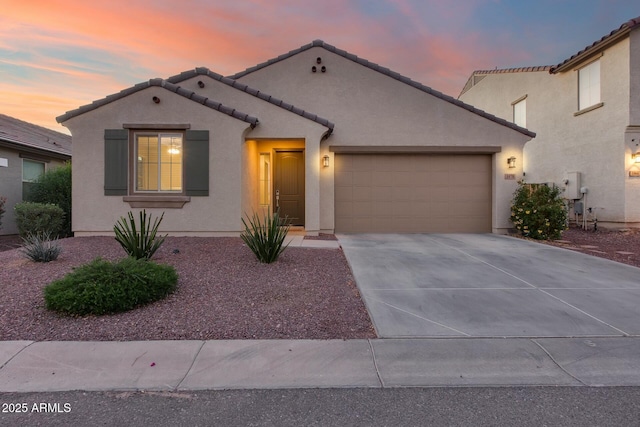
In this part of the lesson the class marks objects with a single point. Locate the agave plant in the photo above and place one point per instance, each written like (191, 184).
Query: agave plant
(142, 243)
(265, 237)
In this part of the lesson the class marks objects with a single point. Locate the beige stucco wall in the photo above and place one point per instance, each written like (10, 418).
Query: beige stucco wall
(11, 185)
(220, 213)
(371, 109)
(278, 124)
(592, 143)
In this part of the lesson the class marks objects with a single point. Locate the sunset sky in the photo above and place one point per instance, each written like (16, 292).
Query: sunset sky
(56, 55)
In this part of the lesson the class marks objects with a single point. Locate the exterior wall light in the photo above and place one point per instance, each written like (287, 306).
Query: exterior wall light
(511, 161)
(636, 157)
(325, 161)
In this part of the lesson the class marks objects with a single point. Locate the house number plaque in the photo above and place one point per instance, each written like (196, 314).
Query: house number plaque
(510, 176)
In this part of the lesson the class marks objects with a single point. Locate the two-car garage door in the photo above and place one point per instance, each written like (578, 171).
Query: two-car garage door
(413, 193)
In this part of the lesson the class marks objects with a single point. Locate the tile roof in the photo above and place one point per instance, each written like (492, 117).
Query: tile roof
(387, 72)
(481, 73)
(611, 38)
(253, 121)
(243, 87)
(16, 132)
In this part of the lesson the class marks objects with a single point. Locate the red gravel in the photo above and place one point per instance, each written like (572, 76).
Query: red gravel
(223, 293)
(617, 245)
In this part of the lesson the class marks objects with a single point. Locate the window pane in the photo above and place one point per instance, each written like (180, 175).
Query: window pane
(159, 162)
(265, 179)
(520, 113)
(31, 170)
(171, 162)
(589, 85)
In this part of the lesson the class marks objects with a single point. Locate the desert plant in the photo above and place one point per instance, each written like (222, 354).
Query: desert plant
(102, 287)
(54, 187)
(40, 247)
(265, 237)
(38, 219)
(3, 200)
(142, 243)
(538, 211)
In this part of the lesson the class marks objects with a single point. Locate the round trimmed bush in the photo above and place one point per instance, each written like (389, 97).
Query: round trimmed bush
(102, 287)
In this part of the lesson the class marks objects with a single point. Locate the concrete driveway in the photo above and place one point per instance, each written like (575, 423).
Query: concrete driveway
(465, 285)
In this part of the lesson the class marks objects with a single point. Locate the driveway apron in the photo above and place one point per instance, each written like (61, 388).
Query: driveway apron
(468, 285)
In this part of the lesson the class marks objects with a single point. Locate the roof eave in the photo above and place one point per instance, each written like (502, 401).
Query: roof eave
(590, 51)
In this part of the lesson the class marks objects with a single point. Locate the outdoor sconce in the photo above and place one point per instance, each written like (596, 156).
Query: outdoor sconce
(156, 100)
(511, 161)
(635, 156)
(200, 84)
(325, 161)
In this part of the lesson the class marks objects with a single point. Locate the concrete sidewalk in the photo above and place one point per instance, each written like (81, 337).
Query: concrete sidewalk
(27, 366)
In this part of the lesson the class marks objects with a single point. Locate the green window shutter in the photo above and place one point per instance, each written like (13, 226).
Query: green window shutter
(116, 162)
(196, 163)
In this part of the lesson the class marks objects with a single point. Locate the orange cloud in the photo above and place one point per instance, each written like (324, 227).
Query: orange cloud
(60, 54)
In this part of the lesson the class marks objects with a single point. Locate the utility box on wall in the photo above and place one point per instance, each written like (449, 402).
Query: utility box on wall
(573, 186)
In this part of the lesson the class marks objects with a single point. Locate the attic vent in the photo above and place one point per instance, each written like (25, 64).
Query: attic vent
(200, 84)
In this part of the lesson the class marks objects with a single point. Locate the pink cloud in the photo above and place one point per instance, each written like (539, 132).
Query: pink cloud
(134, 40)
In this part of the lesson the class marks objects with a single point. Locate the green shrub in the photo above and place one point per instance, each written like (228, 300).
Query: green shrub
(40, 248)
(3, 200)
(538, 211)
(140, 244)
(265, 237)
(54, 187)
(38, 219)
(102, 287)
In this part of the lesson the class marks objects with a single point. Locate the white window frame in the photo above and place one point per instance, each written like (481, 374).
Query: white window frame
(589, 82)
(159, 135)
(519, 107)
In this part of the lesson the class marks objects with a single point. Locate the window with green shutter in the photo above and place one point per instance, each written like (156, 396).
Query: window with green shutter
(157, 166)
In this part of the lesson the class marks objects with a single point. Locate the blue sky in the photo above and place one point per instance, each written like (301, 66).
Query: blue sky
(56, 55)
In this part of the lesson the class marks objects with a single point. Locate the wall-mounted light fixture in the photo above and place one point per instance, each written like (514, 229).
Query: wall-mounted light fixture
(325, 161)
(200, 84)
(635, 156)
(156, 100)
(511, 161)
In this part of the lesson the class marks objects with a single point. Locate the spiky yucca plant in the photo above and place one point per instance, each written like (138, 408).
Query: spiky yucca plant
(265, 237)
(140, 244)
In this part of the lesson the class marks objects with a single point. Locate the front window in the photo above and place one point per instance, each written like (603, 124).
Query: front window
(159, 162)
(589, 85)
(265, 179)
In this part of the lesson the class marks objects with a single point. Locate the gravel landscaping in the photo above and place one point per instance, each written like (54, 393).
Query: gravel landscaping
(223, 293)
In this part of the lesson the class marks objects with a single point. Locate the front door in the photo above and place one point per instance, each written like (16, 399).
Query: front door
(288, 186)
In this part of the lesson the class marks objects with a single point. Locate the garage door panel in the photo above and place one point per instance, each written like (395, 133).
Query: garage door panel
(382, 179)
(343, 194)
(413, 193)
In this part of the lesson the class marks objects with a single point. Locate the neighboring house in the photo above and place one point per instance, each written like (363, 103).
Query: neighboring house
(335, 142)
(26, 152)
(585, 112)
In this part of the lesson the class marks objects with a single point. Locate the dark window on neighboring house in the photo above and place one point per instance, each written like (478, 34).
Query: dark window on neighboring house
(31, 171)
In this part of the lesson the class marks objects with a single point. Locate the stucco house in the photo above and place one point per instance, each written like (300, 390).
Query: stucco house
(585, 112)
(337, 143)
(26, 152)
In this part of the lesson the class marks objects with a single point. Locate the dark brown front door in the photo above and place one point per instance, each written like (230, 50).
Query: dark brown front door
(289, 186)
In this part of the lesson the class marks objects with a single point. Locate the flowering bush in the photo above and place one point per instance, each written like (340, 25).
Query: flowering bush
(538, 211)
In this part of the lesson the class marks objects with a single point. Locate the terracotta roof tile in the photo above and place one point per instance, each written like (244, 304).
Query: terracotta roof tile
(253, 121)
(20, 133)
(385, 71)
